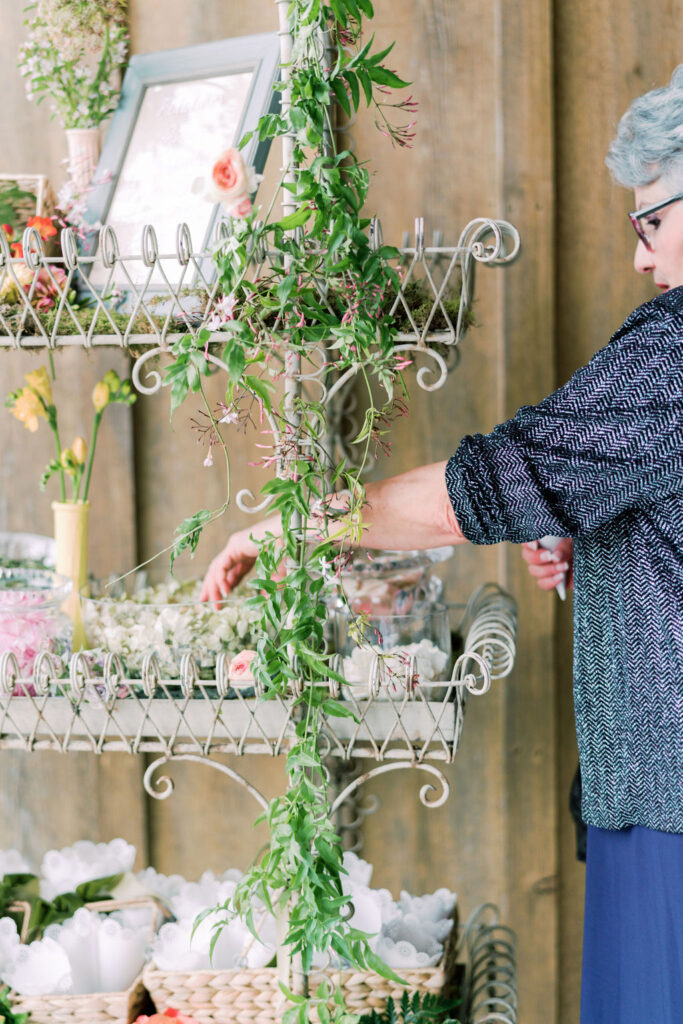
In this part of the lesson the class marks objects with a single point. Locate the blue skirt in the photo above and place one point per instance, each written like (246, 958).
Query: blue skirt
(633, 928)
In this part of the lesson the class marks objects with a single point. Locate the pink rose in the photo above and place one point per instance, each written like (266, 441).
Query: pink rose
(231, 184)
(239, 669)
(240, 207)
(230, 175)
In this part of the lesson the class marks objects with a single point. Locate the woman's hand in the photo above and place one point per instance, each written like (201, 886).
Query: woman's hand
(229, 566)
(549, 567)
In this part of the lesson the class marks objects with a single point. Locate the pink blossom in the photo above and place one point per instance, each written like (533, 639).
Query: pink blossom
(239, 669)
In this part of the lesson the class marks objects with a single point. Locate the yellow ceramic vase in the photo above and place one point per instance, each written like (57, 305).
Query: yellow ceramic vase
(71, 537)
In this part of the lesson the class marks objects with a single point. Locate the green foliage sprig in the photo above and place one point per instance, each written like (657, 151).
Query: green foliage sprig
(415, 1009)
(25, 888)
(323, 296)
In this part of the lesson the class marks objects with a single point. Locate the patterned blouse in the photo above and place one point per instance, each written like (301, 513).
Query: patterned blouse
(601, 460)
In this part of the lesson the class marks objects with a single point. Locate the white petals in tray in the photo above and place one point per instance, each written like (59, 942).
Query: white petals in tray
(431, 662)
(169, 620)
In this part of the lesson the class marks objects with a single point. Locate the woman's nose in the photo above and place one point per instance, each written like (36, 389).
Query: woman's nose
(643, 260)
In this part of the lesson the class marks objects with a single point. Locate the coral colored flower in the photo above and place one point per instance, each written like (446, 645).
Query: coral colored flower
(28, 408)
(17, 250)
(39, 382)
(240, 667)
(9, 230)
(231, 184)
(163, 1018)
(48, 287)
(230, 174)
(101, 395)
(43, 225)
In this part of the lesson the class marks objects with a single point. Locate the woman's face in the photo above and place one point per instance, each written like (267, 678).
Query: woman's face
(665, 229)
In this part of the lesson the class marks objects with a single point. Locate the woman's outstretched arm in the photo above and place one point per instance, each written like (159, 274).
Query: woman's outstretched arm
(402, 513)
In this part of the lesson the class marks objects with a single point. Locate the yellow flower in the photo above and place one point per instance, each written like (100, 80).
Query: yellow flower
(9, 292)
(80, 450)
(27, 408)
(100, 395)
(112, 380)
(39, 383)
(68, 460)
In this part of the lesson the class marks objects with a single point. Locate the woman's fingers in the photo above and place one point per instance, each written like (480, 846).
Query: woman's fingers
(549, 568)
(544, 572)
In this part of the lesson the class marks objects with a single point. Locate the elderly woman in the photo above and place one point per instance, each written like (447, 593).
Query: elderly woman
(599, 462)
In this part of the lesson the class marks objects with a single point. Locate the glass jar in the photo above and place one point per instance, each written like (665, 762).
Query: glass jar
(32, 618)
(391, 582)
(423, 633)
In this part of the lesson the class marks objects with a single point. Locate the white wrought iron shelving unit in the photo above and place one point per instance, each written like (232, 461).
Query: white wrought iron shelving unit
(398, 725)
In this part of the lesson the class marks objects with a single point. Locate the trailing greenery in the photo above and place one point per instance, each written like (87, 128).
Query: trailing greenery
(415, 1009)
(7, 1014)
(325, 299)
(25, 888)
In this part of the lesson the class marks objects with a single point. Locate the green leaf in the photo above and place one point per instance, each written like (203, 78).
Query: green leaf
(366, 83)
(236, 362)
(261, 388)
(333, 707)
(382, 76)
(341, 95)
(376, 964)
(352, 79)
(296, 219)
(366, 7)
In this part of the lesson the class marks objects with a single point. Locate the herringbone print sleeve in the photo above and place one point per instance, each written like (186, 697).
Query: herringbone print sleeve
(611, 439)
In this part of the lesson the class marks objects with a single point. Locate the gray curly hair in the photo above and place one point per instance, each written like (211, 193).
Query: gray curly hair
(649, 140)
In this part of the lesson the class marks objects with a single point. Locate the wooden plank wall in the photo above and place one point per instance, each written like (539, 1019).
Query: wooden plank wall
(517, 105)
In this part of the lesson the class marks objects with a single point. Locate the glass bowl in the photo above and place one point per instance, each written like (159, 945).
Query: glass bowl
(423, 633)
(391, 582)
(31, 615)
(167, 620)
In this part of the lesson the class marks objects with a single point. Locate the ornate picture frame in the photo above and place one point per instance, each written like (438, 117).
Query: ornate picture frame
(179, 109)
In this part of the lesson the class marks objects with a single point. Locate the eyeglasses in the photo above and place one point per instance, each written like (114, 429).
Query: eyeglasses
(638, 215)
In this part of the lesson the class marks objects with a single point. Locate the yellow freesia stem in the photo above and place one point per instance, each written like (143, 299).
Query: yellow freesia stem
(52, 420)
(91, 456)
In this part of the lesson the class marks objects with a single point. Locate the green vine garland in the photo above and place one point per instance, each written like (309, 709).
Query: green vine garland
(326, 292)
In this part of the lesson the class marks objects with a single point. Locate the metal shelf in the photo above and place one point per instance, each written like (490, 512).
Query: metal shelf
(394, 719)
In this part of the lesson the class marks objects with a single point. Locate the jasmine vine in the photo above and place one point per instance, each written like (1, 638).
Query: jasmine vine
(322, 296)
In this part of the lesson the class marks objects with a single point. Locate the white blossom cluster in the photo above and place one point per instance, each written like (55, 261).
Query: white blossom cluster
(169, 620)
(431, 662)
(73, 54)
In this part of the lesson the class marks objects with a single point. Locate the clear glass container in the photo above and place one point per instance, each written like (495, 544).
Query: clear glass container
(423, 633)
(391, 582)
(26, 551)
(167, 620)
(32, 618)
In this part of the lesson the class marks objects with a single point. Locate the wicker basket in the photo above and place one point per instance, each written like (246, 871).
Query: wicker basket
(98, 1008)
(252, 996)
